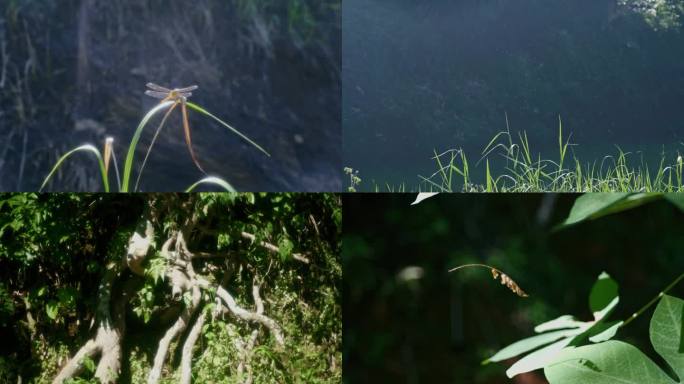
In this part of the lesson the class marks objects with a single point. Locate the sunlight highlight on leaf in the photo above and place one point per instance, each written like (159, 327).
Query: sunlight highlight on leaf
(87, 148)
(214, 181)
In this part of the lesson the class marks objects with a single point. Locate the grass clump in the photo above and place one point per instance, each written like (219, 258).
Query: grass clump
(124, 184)
(526, 171)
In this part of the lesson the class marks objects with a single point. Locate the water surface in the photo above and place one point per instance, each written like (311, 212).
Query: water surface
(420, 76)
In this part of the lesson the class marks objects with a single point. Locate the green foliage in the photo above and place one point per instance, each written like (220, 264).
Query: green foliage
(558, 334)
(125, 183)
(53, 253)
(568, 355)
(143, 306)
(522, 170)
(569, 360)
(156, 268)
(619, 362)
(595, 205)
(660, 14)
(6, 306)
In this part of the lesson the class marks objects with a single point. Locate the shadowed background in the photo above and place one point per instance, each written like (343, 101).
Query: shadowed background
(75, 71)
(421, 75)
(406, 320)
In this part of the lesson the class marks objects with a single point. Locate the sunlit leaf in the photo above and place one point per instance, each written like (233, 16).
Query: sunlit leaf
(422, 196)
(666, 332)
(86, 148)
(612, 362)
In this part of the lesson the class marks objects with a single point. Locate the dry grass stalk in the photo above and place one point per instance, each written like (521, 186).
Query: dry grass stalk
(507, 281)
(497, 274)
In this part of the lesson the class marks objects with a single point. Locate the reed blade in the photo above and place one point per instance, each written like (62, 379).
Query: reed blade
(212, 181)
(87, 148)
(235, 131)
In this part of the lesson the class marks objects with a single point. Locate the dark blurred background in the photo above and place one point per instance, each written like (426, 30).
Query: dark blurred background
(406, 320)
(424, 75)
(74, 71)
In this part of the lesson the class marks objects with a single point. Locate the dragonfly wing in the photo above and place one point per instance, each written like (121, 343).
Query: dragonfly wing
(157, 95)
(157, 88)
(185, 94)
(187, 89)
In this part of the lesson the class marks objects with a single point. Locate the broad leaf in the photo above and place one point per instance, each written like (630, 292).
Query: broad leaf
(531, 343)
(618, 362)
(676, 199)
(538, 359)
(591, 204)
(612, 362)
(566, 331)
(602, 293)
(607, 332)
(594, 205)
(565, 321)
(666, 333)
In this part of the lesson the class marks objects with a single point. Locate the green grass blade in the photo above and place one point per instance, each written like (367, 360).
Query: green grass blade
(154, 140)
(212, 180)
(235, 131)
(88, 148)
(128, 165)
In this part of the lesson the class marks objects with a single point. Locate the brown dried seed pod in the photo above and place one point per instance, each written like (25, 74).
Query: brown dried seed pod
(512, 285)
(496, 274)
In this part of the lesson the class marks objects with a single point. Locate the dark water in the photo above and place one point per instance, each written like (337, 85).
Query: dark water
(426, 75)
(73, 72)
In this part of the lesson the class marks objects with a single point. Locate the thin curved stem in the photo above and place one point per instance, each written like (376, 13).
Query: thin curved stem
(496, 274)
(472, 265)
(154, 140)
(654, 300)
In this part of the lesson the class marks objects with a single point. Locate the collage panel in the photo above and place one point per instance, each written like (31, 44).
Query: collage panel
(513, 96)
(185, 191)
(170, 288)
(513, 288)
(154, 96)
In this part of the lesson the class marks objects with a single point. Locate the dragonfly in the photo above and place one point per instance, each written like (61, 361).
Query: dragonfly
(178, 96)
(159, 92)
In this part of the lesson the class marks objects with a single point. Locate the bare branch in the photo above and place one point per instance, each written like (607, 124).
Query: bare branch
(176, 329)
(108, 336)
(274, 248)
(190, 341)
(244, 314)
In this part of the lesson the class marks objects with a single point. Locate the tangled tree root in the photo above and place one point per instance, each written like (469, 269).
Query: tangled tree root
(182, 280)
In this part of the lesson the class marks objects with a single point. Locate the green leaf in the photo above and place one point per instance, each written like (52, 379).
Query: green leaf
(565, 331)
(605, 332)
(235, 131)
(666, 333)
(212, 180)
(565, 321)
(285, 248)
(591, 206)
(52, 309)
(526, 345)
(612, 362)
(604, 291)
(88, 364)
(540, 358)
(85, 148)
(676, 198)
(128, 164)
